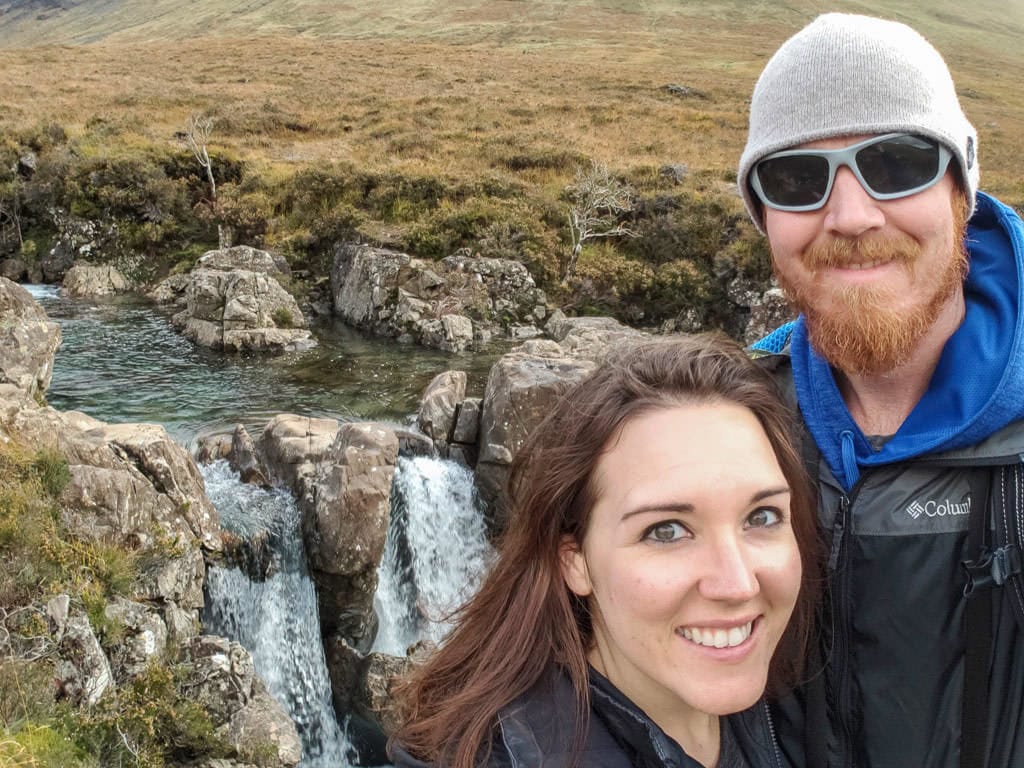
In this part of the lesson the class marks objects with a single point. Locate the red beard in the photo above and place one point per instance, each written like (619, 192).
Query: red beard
(862, 331)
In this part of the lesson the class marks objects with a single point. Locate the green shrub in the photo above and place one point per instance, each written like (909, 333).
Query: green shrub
(150, 721)
(40, 746)
(282, 318)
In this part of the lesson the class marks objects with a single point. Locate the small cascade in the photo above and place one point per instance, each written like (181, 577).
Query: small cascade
(276, 620)
(435, 556)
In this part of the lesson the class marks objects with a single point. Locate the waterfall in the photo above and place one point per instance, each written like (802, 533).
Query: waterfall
(276, 620)
(435, 555)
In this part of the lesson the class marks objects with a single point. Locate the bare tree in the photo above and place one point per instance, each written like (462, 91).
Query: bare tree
(598, 202)
(197, 134)
(10, 219)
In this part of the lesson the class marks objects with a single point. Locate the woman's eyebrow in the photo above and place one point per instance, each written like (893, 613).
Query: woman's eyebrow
(683, 508)
(768, 492)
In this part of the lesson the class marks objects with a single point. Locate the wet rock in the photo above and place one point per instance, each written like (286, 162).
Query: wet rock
(344, 526)
(171, 290)
(28, 341)
(467, 421)
(57, 261)
(14, 270)
(213, 447)
(244, 460)
(87, 280)
(439, 403)
(292, 446)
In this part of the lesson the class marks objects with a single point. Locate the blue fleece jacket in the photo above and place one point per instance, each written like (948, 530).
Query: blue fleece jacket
(977, 387)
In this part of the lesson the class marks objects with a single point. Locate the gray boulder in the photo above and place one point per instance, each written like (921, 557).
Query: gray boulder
(28, 341)
(14, 270)
(440, 401)
(88, 280)
(83, 673)
(222, 679)
(452, 304)
(143, 637)
(234, 302)
(247, 258)
(345, 523)
(521, 388)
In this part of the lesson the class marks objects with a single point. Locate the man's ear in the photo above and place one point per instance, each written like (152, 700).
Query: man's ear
(574, 567)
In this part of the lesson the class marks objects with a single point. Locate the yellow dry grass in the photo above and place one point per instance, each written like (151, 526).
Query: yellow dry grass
(457, 89)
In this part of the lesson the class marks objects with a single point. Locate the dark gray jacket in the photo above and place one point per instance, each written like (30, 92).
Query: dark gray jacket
(536, 731)
(893, 638)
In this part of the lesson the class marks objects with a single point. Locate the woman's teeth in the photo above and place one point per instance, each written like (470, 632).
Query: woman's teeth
(718, 638)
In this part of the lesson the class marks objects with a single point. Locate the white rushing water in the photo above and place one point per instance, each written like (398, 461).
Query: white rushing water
(435, 556)
(276, 620)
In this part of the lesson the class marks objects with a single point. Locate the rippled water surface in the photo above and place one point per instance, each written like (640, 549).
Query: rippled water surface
(121, 361)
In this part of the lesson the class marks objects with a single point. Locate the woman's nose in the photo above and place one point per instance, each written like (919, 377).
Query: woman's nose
(729, 574)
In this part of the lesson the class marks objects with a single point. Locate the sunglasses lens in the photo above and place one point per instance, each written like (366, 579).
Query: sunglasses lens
(793, 180)
(899, 164)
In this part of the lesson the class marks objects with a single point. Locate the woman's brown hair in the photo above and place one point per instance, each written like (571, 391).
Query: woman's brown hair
(524, 620)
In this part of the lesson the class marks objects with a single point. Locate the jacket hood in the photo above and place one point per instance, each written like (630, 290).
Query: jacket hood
(977, 387)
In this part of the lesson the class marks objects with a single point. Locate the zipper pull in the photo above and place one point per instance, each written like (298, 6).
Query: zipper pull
(838, 530)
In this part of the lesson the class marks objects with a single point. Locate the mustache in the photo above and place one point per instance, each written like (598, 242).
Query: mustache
(842, 252)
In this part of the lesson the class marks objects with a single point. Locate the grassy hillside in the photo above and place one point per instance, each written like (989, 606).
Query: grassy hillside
(510, 96)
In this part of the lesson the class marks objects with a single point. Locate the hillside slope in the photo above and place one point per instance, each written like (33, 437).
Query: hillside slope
(994, 25)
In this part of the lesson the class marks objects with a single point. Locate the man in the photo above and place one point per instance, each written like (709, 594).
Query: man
(907, 366)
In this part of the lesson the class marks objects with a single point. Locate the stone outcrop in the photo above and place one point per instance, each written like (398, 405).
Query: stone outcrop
(589, 337)
(222, 678)
(134, 488)
(14, 270)
(144, 636)
(521, 388)
(233, 303)
(768, 310)
(292, 446)
(89, 280)
(451, 304)
(438, 406)
(28, 341)
(86, 241)
(340, 475)
(345, 525)
(83, 672)
(171, 290)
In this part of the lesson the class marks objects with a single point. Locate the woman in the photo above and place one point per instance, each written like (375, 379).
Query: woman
(657, 574)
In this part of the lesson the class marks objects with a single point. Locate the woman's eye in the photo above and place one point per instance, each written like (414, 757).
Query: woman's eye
(666, 531)
(763, 517)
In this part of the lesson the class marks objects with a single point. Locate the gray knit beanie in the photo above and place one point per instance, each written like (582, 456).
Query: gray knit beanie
(844, 74)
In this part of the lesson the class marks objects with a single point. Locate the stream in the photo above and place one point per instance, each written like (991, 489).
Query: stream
(121, 361)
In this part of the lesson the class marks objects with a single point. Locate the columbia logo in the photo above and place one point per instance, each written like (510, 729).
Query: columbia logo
(939, 508)
(915, 509)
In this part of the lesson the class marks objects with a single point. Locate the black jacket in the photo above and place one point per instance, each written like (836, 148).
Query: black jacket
(890, 692)
(536, 731)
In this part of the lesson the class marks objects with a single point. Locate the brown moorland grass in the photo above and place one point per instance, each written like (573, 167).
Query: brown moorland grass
(517, 88)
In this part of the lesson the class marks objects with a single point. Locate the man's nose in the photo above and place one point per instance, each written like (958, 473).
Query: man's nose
(850, 211)
(729, 574)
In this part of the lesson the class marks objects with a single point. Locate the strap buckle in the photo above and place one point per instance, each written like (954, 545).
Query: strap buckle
(992, 569)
